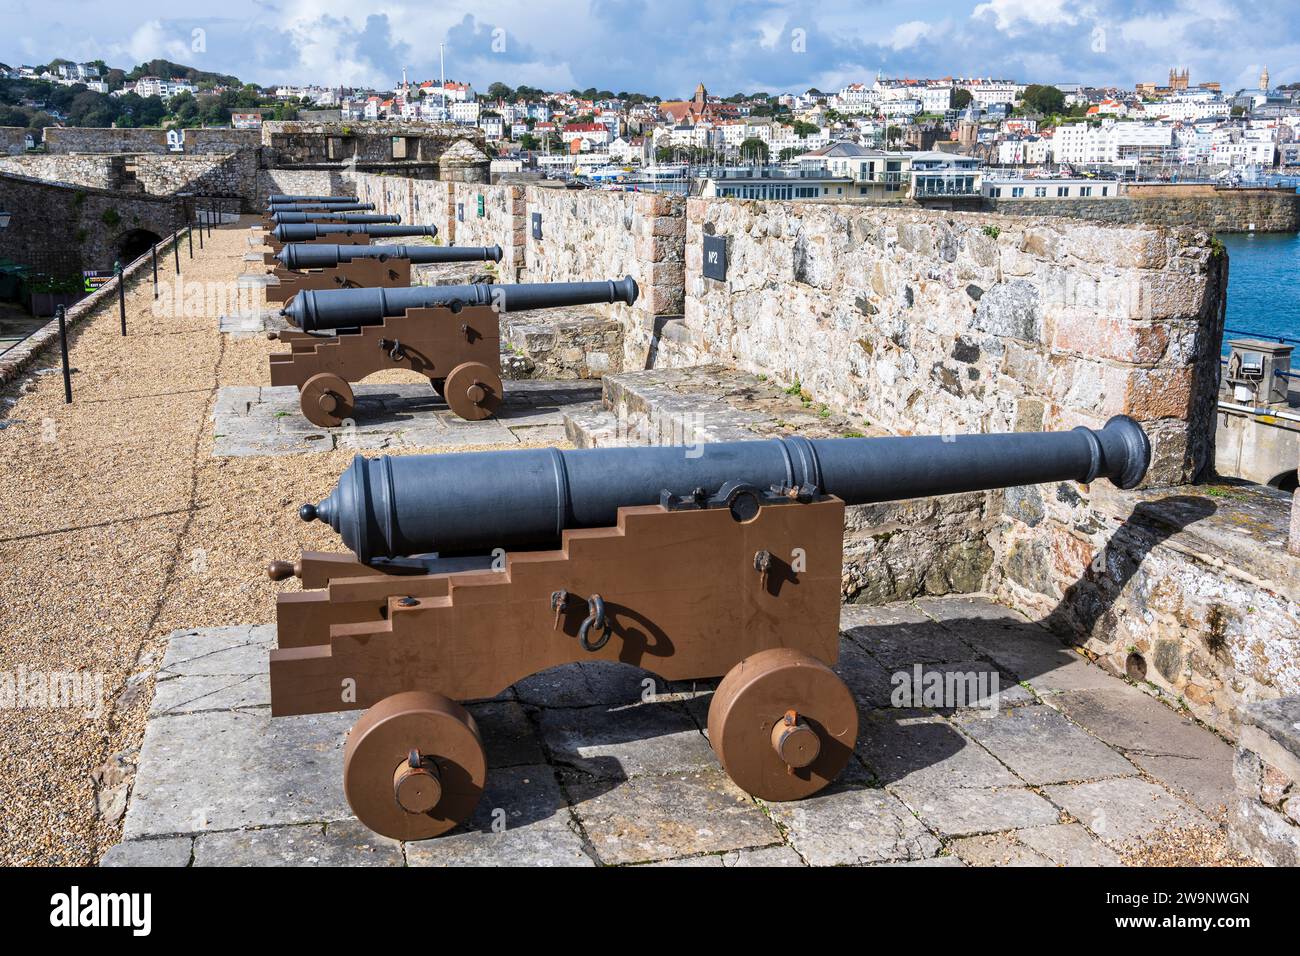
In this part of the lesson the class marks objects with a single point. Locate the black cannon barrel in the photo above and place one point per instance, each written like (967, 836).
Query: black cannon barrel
(474, 502)
(280, 218)
(301, 255)
(320, 207)
(281, 198)
(302, 231)
(350, 308)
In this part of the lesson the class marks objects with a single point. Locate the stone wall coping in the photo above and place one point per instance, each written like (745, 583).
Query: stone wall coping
(90, 190)
(1244, 535)
(1278, 718)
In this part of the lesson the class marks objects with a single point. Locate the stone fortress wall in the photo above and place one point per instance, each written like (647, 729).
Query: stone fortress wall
(1208, 207)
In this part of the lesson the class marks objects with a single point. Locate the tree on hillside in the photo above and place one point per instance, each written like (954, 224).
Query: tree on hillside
(804, 130)
(499, 91)
(1043, 99)
(960, 98)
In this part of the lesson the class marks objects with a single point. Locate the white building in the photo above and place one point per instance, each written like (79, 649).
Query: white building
(1017, 188)
(1024, 151)
(1112, 143)
(154, 86)
(985, 93)
(464, 112)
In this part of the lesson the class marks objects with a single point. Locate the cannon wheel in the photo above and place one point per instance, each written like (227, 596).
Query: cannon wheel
(473, 391)
(327, 400)
(782, 724)
(414, 766)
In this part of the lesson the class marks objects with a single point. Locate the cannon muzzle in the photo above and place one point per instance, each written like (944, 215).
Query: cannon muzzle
(350, 308)
(276, 198)
(309, 256)
(474, 502)
(280, 218)
(304, 231)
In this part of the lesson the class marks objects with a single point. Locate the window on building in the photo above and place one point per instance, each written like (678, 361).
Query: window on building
(1040, 191)
(997, 192)
(1104, 189)
(1062, 190)
(1017, 192)
(1085, 190)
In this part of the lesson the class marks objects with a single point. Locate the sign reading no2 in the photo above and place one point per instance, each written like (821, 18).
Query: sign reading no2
(715, 258)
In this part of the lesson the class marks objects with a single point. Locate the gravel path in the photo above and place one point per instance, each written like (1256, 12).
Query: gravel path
(117, 526)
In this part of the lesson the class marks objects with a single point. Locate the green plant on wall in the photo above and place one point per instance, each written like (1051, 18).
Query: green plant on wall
(111, 218)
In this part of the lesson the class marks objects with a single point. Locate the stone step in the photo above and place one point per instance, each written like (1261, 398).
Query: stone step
(699, 404)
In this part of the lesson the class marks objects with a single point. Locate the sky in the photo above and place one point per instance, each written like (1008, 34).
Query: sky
(666, 47)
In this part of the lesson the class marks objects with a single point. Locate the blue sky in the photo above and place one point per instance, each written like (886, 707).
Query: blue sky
(667, 46)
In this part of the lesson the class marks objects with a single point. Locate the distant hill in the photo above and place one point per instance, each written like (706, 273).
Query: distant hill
(167, 70)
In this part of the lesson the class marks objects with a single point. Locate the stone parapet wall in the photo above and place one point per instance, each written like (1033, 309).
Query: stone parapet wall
(13, 140)
(1185, 589)
(97, 172)
(86, 139)
(1200, 207)
(502, 223)
(229, 174)
(65, 229)
(422, 202)
(589, 235)
(925, 322)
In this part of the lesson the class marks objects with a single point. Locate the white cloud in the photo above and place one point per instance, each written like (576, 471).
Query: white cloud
(1013, 16)
(906, 34)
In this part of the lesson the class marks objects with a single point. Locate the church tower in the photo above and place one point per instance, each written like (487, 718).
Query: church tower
(1263, 79)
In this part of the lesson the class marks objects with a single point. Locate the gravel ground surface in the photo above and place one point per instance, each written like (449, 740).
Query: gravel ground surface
(117, 526)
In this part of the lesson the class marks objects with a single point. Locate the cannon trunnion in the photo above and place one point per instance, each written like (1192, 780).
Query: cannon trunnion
(548, 557)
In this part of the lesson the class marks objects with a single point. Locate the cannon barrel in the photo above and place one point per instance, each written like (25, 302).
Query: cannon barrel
(280, 218)
(349, 308)
(474, 502)
(319, 207)
(298, 255)
(302, 231)
(282, 198)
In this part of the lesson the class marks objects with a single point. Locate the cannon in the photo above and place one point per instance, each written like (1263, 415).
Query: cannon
(320, 207)
(278, 198)
(450, 334)
(350, 308)
(280, 218)
(353, 267)
(297, 256)
(469, 572)
(307, 231)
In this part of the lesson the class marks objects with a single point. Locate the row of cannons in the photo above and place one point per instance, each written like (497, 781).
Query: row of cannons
(465, 573)
(356, 312)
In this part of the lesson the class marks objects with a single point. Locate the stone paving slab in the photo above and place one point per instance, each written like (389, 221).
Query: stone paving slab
(849, 825)
(1125, 810)
(598, 763)
(1166, 745)
(653, 818)
(962, 811)
(266, 420)
(1042, 747)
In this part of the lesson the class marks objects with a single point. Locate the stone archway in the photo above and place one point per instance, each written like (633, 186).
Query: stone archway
(136, 243)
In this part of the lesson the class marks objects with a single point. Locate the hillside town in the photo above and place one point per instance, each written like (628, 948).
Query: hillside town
(949, 139)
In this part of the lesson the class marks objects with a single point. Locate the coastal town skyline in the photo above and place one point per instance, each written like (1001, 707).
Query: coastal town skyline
(730, 47)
